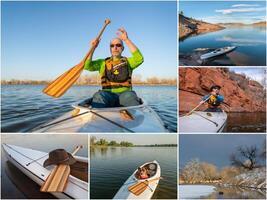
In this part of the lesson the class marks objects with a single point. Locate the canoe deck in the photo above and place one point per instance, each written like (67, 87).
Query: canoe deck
(209, 122)
(23, 159)
(124, 193)
(141, 118)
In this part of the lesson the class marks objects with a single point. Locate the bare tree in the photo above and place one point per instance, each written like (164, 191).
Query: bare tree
(192, 172)
(246, 157)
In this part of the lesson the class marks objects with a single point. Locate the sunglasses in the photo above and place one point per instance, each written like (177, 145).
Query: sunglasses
(117, 45)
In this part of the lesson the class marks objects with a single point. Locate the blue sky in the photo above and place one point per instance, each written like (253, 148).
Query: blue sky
(215, 149)
(225, 11)
(41, 40)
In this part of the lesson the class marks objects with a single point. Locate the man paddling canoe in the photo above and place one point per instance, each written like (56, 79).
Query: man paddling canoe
(214, 99)
(116, 73)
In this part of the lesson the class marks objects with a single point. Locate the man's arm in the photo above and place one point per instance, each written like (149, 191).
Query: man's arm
(93, 65)
(137, 58)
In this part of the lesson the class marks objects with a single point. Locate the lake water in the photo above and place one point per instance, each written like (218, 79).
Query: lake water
(246, 122)
(111, 167)
(25, 106)
(16, 185)
(250, 42)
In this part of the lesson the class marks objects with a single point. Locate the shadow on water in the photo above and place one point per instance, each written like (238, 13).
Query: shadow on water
(236, 193)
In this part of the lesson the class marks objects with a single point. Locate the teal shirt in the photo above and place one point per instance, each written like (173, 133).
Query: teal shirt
(99, 65)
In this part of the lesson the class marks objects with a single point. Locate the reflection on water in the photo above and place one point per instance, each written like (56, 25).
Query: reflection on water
(25, 106)
(111, 167)
(236, 193)
(246, 122)
(16, 185)
(250, 42)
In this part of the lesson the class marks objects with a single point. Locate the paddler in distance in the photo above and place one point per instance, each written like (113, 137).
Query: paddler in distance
(214, 99)
(116, 73)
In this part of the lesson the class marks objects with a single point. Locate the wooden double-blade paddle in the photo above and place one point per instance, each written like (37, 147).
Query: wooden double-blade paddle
(57, 179)
(140, 187)
(59, 86)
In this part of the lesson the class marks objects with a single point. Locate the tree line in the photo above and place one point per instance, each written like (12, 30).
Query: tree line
(94, 79)
(113, 143)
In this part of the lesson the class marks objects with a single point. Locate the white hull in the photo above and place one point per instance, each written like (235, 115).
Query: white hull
(145, 119)
(217, 52)
(209, 122)
(124, 193)
(21, 157)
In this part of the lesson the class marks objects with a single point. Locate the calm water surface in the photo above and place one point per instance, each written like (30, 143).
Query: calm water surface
(250, 42)
(16, 185)
(25, 106)
(111, 167)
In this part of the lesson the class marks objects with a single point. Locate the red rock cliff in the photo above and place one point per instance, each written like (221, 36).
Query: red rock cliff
(241, 94)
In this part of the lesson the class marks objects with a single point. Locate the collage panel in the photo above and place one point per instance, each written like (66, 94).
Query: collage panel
(125, 73)
(222, 33)
(225, 99)
(222, 166)
(133, 167)
(44, 166)
(119, 86)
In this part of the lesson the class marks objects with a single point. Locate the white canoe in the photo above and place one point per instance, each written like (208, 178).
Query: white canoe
(217, 52)
(209, 122)
(155, 172)
(22, 158)
(88, 119)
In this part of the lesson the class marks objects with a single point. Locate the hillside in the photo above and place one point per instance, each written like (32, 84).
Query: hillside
(188, 26)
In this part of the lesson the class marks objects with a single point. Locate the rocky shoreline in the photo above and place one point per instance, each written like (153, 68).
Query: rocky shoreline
(189, 26)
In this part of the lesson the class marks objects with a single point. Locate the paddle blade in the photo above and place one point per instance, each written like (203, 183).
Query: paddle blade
(59, 86)
(138, 188)
(57, 180)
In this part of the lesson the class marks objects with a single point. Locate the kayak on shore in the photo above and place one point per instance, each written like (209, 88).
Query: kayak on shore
(133, 185)
(30, 162)
(84, 118)
(199, 121)
(217, 52)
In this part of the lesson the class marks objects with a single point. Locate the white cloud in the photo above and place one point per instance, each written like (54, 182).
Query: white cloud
(245, 5)
(240, 10)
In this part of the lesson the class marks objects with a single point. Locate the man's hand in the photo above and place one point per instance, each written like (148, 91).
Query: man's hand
(122, 34)
(94, 43)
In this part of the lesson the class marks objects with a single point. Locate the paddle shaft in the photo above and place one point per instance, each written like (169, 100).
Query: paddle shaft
(198, 106)
(59, 86)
